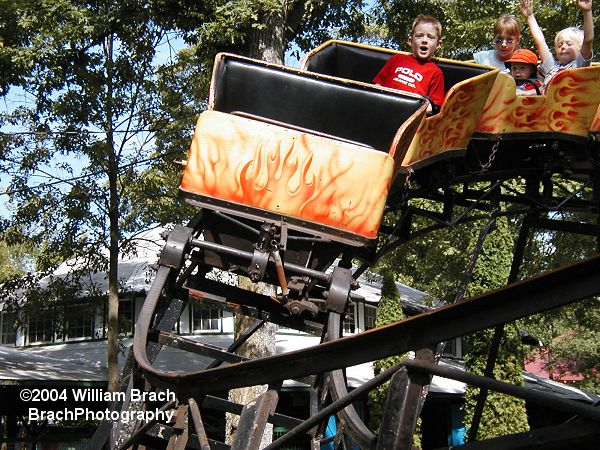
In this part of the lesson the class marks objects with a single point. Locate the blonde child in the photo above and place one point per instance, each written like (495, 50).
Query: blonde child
(416, 72)
(573, 47)
(507, 37)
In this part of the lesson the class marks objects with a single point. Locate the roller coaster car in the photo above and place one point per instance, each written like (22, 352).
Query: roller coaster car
(566, 111)
(292, 170)
(311, 151)
(543, 129)
(440, 136)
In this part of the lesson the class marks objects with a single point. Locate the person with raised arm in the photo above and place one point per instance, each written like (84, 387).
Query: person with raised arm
(573, 46)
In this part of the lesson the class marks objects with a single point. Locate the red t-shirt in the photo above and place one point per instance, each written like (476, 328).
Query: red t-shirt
(407, 73)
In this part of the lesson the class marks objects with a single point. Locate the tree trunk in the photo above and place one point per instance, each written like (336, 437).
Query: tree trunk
(113, 217)
(267, 44)
(261, 344)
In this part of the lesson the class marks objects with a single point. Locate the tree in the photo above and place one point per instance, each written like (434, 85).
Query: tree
(15, 261)
(89, 73)
(437, 263)
(501, 414)
(468, 24)
(569, 335)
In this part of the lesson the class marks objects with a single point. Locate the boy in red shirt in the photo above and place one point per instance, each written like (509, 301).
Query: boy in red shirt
(417, 73)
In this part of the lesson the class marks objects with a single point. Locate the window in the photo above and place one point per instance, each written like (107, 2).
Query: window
(9, 328)
(349, 319)
(79, 321)
(41, 330)
(453, 348)
(370, 316)
(206, 317)
(126, 316)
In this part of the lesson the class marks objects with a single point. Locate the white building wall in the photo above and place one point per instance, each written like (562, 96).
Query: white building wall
(228, 322)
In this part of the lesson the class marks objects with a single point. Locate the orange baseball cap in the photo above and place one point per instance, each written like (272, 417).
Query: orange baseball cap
(522, 55)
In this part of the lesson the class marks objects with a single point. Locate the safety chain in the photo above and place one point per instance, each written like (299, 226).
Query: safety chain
(487, 165)
(406, 187)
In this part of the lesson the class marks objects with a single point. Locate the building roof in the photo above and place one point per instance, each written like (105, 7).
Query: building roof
(135, 273)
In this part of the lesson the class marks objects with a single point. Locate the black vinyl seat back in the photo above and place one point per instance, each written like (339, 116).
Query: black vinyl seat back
(349, 111)
(363, 63)
(454, 73)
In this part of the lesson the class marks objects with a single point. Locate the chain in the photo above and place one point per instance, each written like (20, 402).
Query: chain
(406, 187)
(488, 164)
(407, 180)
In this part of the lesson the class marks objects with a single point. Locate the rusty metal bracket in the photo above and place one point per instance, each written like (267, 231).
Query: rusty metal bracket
(401, 410)
(173, 253)
(339, 290)
(262, 250)
(179, 438)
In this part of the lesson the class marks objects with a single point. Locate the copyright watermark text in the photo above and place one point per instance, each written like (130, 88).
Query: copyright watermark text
(75, 414)
(77, 403)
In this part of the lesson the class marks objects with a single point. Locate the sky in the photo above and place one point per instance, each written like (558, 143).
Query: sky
(18, 97)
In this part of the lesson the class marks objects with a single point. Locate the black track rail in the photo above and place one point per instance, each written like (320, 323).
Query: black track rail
(547, 291)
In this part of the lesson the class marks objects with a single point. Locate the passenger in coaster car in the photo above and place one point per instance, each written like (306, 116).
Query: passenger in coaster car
(523, 68)
(573, 46)
(507, 37)
(417, 73)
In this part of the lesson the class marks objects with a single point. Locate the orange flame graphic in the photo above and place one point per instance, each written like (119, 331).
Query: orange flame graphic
(568, 106)
(453, 126)
(292, 173)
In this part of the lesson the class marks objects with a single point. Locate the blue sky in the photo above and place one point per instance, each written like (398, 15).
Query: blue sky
(18, 97)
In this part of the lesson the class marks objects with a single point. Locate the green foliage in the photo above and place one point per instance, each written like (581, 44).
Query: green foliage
(494, 261)
(15, 261)
(89, 72)
(570, 334)
(502, 414)
(468, 24)
(436, 263)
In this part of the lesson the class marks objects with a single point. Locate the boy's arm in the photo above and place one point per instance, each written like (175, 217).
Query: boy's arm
(436, 89)
(588, 28)
(526, 7)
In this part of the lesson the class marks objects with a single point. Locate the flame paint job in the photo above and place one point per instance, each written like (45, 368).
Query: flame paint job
(288, 172)
(452, 127)
(569, 105)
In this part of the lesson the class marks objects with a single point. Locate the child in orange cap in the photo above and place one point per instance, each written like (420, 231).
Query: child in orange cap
(523, 68)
